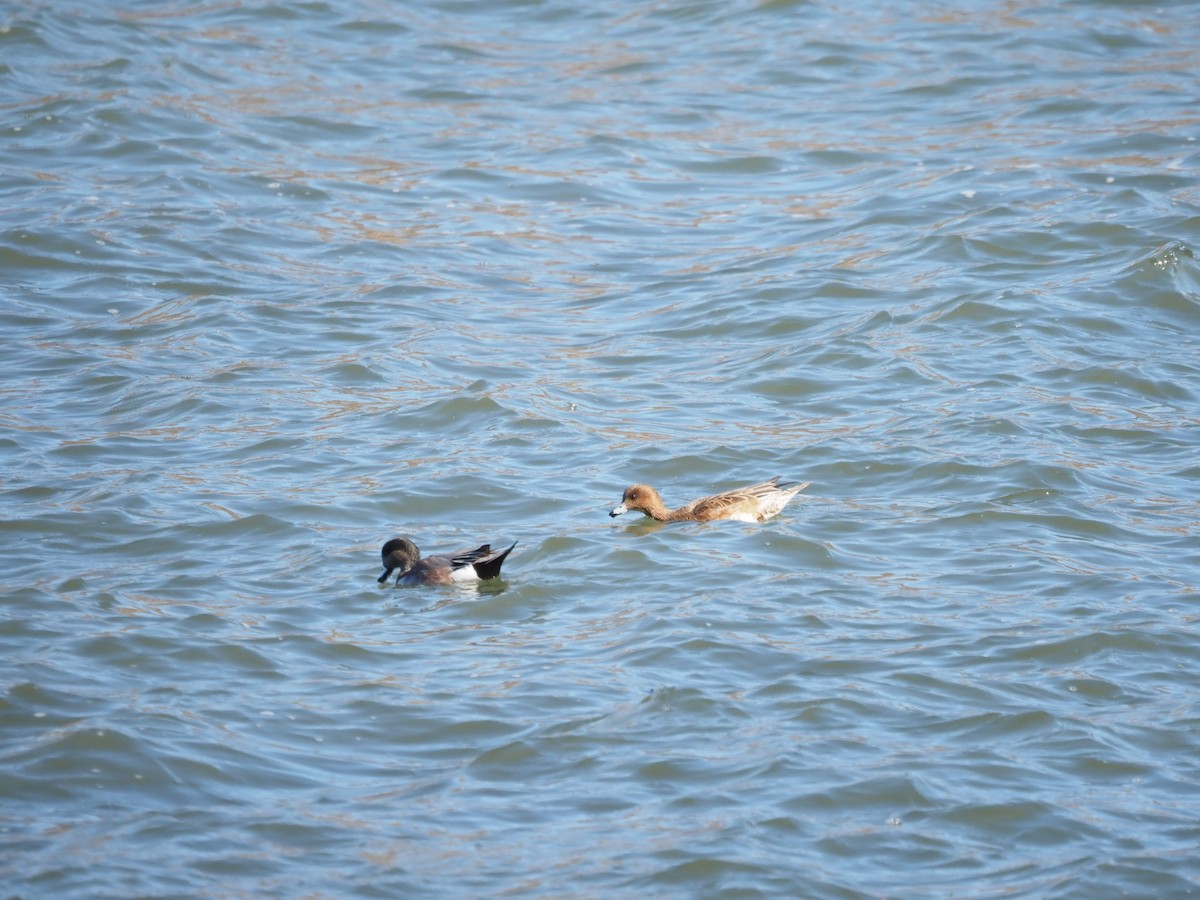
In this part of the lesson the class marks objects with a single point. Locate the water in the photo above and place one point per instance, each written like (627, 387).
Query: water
(281, 281)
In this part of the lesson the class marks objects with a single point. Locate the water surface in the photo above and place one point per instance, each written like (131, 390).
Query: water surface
(281, 281)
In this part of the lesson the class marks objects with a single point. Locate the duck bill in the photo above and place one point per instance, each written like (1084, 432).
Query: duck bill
(619, 510)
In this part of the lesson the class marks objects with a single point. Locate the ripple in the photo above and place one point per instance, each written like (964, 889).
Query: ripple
(257, 328)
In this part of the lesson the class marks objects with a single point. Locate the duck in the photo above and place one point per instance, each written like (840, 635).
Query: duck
(753, 503)
(479, 564)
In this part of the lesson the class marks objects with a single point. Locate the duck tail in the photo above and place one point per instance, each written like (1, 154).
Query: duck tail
(794, 486)
(490, 567)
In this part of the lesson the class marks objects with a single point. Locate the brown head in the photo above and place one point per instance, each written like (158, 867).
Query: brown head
(639, 498)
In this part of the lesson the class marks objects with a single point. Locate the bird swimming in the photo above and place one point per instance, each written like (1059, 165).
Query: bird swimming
(753, 503)
(479, 564)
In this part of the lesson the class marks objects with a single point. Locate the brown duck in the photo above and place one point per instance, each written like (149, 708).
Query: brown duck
(754, 503)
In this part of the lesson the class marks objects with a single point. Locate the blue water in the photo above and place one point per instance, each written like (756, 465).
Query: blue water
(281, 281)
